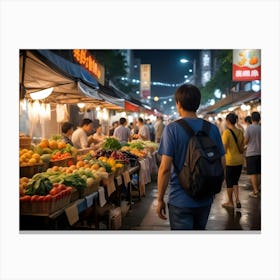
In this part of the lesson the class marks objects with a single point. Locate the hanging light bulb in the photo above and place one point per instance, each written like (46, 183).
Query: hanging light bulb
(81, 105)
(41, 94)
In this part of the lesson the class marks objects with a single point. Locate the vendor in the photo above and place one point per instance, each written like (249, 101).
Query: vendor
(144, 133)
(67, 131)
(80, 135)
(97, 138)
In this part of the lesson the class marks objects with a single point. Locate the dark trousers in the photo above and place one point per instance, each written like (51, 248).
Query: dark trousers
(188, 218)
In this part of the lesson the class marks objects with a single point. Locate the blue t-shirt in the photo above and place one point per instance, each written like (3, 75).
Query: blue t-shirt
(174, 144)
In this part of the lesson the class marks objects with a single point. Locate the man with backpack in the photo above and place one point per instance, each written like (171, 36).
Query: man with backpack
(192, 164)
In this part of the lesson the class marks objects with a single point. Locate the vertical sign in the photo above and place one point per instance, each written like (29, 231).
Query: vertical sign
(246, 65)
(145, 80)
(205, 67)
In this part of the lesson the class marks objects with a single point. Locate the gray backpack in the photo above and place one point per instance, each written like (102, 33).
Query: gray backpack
(202, 174)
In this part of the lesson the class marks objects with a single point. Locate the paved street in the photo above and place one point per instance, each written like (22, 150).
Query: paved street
(143, 214)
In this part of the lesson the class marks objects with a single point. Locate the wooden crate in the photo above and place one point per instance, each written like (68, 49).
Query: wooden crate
(29, 171)
(63, 162)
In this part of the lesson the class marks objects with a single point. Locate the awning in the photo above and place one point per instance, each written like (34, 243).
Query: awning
(234, 99)
(67, 68)
(36, 75)
(128, 106)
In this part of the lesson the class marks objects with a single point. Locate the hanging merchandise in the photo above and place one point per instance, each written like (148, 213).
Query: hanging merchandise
(61, 113)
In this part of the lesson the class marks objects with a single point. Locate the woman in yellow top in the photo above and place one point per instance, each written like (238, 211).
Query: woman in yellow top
(233, 139)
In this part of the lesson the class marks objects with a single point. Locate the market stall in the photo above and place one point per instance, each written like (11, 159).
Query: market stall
(71, 188)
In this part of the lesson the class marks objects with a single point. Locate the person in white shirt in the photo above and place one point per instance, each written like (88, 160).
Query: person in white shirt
(80, 135)
(144, 132)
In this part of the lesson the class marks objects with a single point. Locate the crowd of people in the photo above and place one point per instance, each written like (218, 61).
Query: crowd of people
(239, 146)
(235, 144)
(84, 136)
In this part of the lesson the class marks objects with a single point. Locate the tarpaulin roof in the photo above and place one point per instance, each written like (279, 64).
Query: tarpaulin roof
(72, 84)
(234, 99)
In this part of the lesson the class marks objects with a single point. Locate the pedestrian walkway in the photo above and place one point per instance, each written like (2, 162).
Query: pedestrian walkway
(143, 217)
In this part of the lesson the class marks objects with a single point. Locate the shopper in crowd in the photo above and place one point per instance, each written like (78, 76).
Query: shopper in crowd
(221, 125)
(122, 132)
(159, 127)
(114, 126)
(144, 133)
(253, 153)
(185, 213)
(97, 138)
(248, 121)
(151, 129)
(67, 129)
(80, 135)
(233, 140)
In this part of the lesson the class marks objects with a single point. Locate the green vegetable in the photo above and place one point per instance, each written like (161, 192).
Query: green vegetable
(136, 145)
(111, 143)
(40, 186)
(76, 181)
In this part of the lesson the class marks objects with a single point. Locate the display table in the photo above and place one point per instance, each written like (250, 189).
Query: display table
(111, 190)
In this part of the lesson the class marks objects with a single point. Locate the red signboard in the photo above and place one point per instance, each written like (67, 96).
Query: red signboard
(246, 65)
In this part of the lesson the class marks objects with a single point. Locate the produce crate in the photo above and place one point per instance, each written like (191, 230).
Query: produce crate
(92, 188)
(29, 171)
(63, 162)
(45, 207)
(25, 142)
(75, 195)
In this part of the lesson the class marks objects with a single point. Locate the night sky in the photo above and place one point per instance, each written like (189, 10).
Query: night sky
(166, 66)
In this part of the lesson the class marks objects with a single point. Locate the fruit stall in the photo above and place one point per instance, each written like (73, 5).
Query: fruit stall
(61, 188)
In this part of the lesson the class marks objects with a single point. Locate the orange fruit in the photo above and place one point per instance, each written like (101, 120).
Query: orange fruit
(53, 144)
(80, 163)
(61, 145)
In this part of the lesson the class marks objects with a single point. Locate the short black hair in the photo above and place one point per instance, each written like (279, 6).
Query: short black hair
(140, 120)
(188, 96)
(86, 122)
(248, 119)
(232, 118)
(256, 116)
(122, 120)
(66, 127)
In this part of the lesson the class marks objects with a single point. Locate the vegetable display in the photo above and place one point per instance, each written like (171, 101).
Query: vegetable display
(111, 143)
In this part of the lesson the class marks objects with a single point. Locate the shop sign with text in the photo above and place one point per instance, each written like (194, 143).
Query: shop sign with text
(89, 63)
(145, 80)
(246, 65)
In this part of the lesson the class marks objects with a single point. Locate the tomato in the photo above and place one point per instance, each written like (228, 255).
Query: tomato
(53, 191)
(41, 198)
(48, 197)
(61, 187)
(35, 197)
(25, 198)
(55, 185)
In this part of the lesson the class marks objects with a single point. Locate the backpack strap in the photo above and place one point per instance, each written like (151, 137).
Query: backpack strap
(186, 127)
(235, 139)
(206, 126)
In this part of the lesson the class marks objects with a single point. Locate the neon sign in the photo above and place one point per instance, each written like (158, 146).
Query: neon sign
(89, 63)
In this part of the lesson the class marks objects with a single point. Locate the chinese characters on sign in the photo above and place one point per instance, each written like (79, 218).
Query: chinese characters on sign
(89, 63)
(145, 80)
(246, 65)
